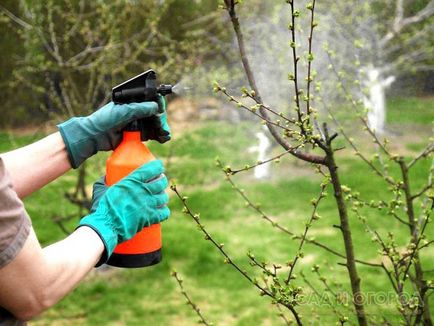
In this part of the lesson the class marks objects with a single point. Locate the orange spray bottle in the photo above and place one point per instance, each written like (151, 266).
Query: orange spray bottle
(145, 248)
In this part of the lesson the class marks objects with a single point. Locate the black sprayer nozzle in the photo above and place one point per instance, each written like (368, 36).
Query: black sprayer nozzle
(165, 89)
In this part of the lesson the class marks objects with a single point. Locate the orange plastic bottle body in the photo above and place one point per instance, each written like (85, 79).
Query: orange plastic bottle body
(145, 248)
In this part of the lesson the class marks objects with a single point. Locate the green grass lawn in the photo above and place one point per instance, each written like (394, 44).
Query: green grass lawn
(150, 296)
(412, 109)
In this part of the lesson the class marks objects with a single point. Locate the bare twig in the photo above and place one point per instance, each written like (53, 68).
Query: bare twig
(350, 141)
(282, 315)
(230, 7)
(196, 309)
(314, 216)
(15, 18)
(360, 115)
(314, 289)
(280, 115)
(250, 109)
(249, 167)
(429, 186)
(310, 58)
(427, 151)
(229, 260)
(281, 228)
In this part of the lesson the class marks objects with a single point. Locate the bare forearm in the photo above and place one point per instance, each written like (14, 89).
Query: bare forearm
(33, 166)
(38, 278)
(70, 260)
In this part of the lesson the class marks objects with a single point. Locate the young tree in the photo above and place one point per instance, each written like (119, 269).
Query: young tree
(403, 268)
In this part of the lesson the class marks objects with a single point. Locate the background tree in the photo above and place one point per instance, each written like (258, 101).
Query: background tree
(373, 43)
(73, 52)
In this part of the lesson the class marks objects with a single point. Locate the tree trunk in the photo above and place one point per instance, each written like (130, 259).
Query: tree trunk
(348, 241)
(262, 149)
(375, 100)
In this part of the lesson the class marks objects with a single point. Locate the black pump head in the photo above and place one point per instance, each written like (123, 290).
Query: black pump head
(141, 88)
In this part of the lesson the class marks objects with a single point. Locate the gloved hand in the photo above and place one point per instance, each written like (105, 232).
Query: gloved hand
(156, 127)
(102, 130)
(120, 211)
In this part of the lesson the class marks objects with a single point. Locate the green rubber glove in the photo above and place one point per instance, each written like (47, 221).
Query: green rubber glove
(162, 103)
(120, 211)
(102, 130)
(156, 128)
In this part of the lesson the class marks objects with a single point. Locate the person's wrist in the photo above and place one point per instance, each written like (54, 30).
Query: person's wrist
(95, 246)
(99, 224)
(64, 128)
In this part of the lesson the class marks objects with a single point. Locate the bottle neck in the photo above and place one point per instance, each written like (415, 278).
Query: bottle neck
(132, 136)
(132, 126)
